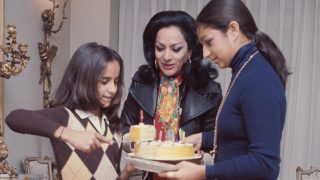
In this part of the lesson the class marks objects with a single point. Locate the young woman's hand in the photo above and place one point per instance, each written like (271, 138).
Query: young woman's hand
(86, 141)
(195, 139)
(186, 170)
(128, 170)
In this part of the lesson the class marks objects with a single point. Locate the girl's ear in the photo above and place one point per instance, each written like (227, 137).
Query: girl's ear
(233, 30)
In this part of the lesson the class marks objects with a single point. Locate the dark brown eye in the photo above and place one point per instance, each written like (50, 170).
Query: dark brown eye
(176, 49)
(104, 80)
(159, 48)
(208, 42)
(116, 82)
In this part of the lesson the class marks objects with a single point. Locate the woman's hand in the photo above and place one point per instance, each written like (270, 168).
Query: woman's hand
(186, 170)
(195, 139)
(86, 141)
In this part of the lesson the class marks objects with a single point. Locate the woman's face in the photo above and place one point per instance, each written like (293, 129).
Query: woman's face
(171, 50)
(217, 46)
(108, 84)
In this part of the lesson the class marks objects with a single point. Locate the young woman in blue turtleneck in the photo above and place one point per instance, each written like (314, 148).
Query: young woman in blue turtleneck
(249, 123)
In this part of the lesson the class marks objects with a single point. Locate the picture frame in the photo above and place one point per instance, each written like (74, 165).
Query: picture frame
(312, 173)
(37, 167)
(54, 168)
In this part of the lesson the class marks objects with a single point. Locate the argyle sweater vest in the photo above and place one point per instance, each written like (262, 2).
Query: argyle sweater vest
(75, 164)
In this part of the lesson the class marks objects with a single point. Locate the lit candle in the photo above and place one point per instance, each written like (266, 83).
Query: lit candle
(160, 135)
(141, 116)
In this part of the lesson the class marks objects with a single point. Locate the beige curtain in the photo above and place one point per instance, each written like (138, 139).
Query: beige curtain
(294, 25)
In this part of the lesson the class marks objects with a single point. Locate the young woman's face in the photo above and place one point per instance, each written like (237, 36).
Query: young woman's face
(171, 50)
(108, 84)
(217, 46)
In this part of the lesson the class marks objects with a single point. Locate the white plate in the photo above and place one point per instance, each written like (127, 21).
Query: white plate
(151, 166)
(196, 156)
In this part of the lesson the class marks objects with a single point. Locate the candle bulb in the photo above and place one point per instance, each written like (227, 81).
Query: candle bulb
(11, 29)
(23, 47)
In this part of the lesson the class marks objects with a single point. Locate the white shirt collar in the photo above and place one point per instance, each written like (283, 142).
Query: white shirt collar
(87, 114)
(94, 119)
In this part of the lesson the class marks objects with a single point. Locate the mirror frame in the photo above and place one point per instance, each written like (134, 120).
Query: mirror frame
(1, 59)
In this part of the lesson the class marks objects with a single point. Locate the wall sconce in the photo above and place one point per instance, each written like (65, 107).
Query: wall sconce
(19, 58)
(11, 67)
(47, 52)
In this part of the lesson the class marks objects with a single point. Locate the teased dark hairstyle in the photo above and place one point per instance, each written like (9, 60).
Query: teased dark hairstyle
(193, 72)
(218, 14)
(78, 88)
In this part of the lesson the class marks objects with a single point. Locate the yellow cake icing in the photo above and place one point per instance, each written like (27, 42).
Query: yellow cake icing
(164, 150)
(142, 132)
(145, 149)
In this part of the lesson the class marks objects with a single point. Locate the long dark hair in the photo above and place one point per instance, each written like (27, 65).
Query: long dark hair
(218, 14)
(194, 72)
(78, 88)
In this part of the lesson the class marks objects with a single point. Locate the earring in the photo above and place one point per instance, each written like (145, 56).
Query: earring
(189, 60)
(155, 64)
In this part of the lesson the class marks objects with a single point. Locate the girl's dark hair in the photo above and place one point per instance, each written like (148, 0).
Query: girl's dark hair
(218, 14)
(194, 72)
(78, 88)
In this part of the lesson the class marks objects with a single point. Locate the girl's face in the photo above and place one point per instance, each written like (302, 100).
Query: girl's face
(108, 84)
(217, 46)
(171, 50)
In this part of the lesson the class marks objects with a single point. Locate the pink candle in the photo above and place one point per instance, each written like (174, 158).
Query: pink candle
(141, 116)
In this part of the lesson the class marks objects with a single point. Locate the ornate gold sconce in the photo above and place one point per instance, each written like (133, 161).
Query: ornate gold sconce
(10, 67)
(19, 58)
(47, 52)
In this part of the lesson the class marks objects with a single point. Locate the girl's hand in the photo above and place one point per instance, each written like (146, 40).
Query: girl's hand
(186, 171)
(86, 141)
(195, 139)
(128, 170)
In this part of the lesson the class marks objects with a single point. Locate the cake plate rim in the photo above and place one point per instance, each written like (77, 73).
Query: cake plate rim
(196, 156)
(151, 166)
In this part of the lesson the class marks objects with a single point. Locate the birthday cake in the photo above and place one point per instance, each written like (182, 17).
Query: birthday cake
(164, 150)
(142, 132)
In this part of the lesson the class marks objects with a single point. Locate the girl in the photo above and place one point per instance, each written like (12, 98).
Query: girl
(83, 121)
(245, 142)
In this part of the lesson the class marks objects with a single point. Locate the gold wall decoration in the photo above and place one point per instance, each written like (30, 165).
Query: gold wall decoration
(12, 61)
(15, 60)
(48, 52)
(5, 169)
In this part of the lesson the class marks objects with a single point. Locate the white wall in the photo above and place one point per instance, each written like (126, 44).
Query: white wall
(89, 22)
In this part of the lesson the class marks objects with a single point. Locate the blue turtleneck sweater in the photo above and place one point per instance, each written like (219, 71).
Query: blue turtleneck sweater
(251, 122)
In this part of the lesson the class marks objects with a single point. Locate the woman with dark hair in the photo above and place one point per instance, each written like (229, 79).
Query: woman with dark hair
(84, 121)
(245, 142)
(174, 90)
